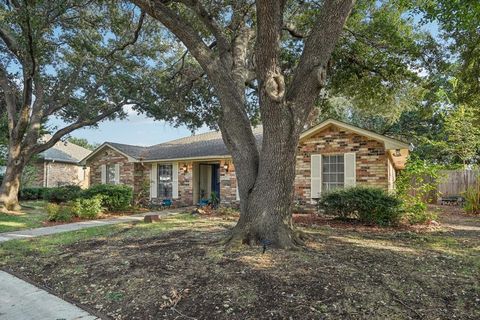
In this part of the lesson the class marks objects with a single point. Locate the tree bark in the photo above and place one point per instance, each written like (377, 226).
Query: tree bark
(265, 177)
(11, 180)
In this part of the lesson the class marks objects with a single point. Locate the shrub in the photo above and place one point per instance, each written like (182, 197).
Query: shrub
(114, 197)
(58, 212)
(62, 194)
(369, 205)
(472, 199)
(416, 185)
(33, 193)
(87, 208)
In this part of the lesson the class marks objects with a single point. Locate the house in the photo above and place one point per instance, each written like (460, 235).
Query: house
(59, 166)
(330, 155)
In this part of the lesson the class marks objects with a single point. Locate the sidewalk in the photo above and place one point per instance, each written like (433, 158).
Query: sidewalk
(19, 300)
(36, 232)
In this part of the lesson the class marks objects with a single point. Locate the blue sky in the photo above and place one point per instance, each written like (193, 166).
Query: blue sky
(136, 130)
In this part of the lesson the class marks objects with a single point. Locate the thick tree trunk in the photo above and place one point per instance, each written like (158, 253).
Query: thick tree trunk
(266, 211)
(12, 178)
(10, 187)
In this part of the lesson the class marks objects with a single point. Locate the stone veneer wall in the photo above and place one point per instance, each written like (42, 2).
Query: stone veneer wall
(371, 160)
(185, 184)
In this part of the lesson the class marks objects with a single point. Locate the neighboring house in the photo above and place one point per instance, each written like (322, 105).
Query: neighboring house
(59, 166)
(330, 155)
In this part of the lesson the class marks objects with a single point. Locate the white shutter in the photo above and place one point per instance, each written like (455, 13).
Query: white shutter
(103, 169)
(350, 175)
(175, 180)
(117, 173)
(237, 192)
(153, 181)
(316, 176)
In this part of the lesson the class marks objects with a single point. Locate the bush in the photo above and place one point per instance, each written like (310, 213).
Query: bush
(33, 193)
(62, 194)
(58, 212)
(87, 208)
(369, 205)
(114, 197)
(472, 199)
(416, 186)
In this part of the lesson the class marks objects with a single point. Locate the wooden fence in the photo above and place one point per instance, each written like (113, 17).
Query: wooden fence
(455, 182)
(450, 183)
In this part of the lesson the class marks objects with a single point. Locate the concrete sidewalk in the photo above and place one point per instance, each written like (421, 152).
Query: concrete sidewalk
(19, 300)
(36, 232)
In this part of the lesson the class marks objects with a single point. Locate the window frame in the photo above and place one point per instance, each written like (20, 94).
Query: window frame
(110, 174)
(161, 181)
(335, 179)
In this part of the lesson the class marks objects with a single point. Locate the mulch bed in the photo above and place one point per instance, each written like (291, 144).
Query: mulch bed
(343, 273)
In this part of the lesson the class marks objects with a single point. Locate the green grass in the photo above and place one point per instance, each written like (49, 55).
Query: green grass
(31, 216)
(47, 245)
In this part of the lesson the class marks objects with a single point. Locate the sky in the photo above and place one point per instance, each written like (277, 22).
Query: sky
(135, 129)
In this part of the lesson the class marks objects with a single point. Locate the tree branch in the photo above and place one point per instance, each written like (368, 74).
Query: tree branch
(310, 75)
(210, 23)
(136, 34)
(184, 31)
(76, 125)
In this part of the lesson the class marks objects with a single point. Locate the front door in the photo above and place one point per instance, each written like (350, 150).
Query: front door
(216, 179)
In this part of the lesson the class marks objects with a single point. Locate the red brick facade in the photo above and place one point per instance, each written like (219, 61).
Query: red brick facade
(371, 167)
(370, 154)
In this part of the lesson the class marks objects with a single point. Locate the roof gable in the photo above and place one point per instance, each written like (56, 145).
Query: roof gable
(390, 143)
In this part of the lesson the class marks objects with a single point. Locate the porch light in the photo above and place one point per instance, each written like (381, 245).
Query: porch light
(225, 166)
(84, 167)
(397, 153)
(185, 168)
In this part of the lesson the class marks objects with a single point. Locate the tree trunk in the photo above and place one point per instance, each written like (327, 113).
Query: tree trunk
(11, 180)
(266, 211)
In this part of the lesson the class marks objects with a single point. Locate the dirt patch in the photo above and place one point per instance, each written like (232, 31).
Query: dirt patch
(343, 273)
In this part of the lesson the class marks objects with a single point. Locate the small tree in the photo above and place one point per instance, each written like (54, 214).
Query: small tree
(72, 60)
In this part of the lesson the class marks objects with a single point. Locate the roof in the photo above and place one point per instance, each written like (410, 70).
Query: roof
(64, 151)
(203, 145)
(211, 145)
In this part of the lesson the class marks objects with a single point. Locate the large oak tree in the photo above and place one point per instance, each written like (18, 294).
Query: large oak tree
(73, 60)
(238, 46)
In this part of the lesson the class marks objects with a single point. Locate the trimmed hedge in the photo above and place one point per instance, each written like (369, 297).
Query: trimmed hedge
(62, 194)
(114, 197)
(33, 193)
(369, 205)
(87, 208)
(59, 213)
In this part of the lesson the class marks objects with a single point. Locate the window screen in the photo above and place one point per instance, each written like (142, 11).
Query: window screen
(333, 172)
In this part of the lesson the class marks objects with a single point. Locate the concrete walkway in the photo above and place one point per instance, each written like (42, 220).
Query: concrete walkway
(19, 300)
(36, 232)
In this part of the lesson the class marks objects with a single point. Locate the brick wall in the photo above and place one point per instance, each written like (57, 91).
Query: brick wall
(110, 156)
(371, 160)
(58, 174)
(185, 184)
(228, 183)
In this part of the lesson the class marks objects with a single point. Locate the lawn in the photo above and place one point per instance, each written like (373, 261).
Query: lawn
(31, 216)
(178, 269)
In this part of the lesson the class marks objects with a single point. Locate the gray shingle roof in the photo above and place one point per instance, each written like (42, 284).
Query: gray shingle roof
(64, 151)
(196, 146)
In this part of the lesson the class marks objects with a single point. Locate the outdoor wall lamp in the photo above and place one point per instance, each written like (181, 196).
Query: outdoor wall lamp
(397, 153)
(185, 168)
(225, 166)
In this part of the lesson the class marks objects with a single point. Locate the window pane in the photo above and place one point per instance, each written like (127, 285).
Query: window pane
(165, 178)
(110, 178)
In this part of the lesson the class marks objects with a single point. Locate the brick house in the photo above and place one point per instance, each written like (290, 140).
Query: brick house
(330, 155)
(59, 166)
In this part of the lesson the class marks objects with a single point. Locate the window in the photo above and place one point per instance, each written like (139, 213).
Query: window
(110, 174)
(333, 172)
(165, 181)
